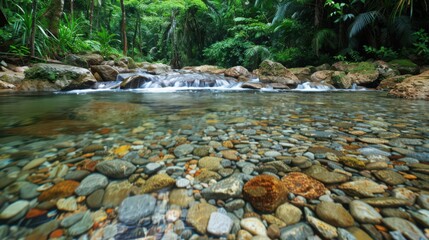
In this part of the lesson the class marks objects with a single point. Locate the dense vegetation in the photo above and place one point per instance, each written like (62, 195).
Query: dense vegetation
(226, 33)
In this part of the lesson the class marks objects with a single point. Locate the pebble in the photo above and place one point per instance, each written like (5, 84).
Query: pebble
(183, 150)
(82, 225)
(288, 213)
(407, 228)
(182, 183)
(15, 209)
(296, 231)
(326, 230)
(334, 214)
(364, 213)
(116, 168)
(254, 226)
(219, 224)
(134, 208)
(67, 204)
(91, 183)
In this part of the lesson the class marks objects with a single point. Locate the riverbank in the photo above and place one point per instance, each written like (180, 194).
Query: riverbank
(402, 78)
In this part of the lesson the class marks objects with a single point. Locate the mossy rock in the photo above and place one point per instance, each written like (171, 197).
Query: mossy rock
(353, 162)
(405, 66)
(341, 80)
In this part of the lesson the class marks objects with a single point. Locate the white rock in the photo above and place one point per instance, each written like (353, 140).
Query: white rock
(254, 226)
(14, 209)
(182, 182)
(219, 224)
(67, 204)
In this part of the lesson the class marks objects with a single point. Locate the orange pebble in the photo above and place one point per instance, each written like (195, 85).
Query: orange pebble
(88, 155)
(35, 212)
(56, 233)
(381, 228)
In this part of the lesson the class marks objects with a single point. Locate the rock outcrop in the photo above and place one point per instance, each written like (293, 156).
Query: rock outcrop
(415, 87)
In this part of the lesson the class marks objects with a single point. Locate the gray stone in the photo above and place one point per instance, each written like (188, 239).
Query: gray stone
(322, 174)
(132, 209)
(296, 232)
(334, 214)
(71, 220)
(82, 226)
(364, 213)
(183, 150)
(91, 183)
(272, 154)
(423, 201)
(15, 209)
(95, 199)
(219, 224)
(29, 191)
(227, 188)
(343, 234)
(116, 168)
(77, 175)
(407, 228)
(373, 151)
(234, 205)
(151, 168)
(326, 230)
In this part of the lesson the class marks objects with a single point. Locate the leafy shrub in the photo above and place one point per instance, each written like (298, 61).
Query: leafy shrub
(227, 53)
(421, 43)
(384, 53)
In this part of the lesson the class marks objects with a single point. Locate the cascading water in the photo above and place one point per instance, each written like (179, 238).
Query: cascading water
(309, 86)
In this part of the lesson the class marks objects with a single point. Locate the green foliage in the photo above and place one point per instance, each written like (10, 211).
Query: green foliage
(383, 53)
(19, 50)
(105, 40)
(229, 52)
(255, 55)
(296, 57)
(421, 43)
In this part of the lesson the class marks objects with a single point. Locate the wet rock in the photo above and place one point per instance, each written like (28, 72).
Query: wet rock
(390, 177)
(386, 202)
(60, 190)
(219, 224)
(296, 231)
(273, 72)
(95, 199)
(42, 231)
(183, 150)
(158, 182)
(106, 72)
(364, 213)
(288, 213)
(82, 226)
(227, 188)
(334, 214)
(265, 192)
(237, 72)
(34, 163)
(92, 183)
(362, 188)
(14, 209)
(404, 193)
(134, 208)
(201, 151)
(423, 200)
(303, 185)
(407, 228)
(205, 176)
(29, 191)
(116, 168)
(210, 163)
(71, 220)
(359, 233)
(180, 197)
(67, 204)
(254, 226)
(414, 87)
(322, 174)
(115, 193)
(326, 230)
(404, 66)
(60, 77)
(199, 215)
(352, 162)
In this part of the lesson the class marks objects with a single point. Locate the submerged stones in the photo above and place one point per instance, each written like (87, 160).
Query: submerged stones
(265, 192)
(60, 190)
(134, 208)
(116, 168)
(334, 214)
(303, 185)
(227, 188)
(199, 216)
(158, 182)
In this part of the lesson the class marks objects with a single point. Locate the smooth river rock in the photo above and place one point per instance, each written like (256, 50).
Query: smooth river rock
(254, 226)
(227, 188)
(334, 214)
(116, 168)
(199, 215)
(134, 208)
(407, 228)
(364, 213)
(219, 224)
(91, 183)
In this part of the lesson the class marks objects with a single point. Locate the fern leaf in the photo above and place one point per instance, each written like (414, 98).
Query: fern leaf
(362, 21)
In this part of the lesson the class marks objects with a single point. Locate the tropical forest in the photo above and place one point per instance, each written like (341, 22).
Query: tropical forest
(214, 119)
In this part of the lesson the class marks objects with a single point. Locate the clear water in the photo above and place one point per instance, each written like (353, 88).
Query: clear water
(37, 122)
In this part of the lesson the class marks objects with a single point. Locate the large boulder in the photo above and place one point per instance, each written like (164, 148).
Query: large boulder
(361, 73)
(106, 72)
(303, 73)
(6, 86)
(404, 66)
(11, 77)
(239, 72)
(322, 76)
(206, 69)
(83, 61)
(48, 77)
(274, 72)
(390, 83)
(415, 87)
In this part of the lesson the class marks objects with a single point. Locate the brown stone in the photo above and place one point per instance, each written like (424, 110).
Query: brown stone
(303, 185)
(415, 87)
(265, 192)
(106, 72)
(60, 190)
(237, 72)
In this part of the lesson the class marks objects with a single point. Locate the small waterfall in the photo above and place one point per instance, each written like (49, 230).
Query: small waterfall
(176, 81)
(311, 86)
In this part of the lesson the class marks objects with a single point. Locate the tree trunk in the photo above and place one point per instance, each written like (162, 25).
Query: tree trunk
(53, 15)
(91, 16)
(135, 34)
(71, 8)
(124, 29)
(33, 28)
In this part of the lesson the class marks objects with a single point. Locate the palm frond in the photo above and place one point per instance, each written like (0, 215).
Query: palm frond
(362, 21)
(281, 11)
(324, 37)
